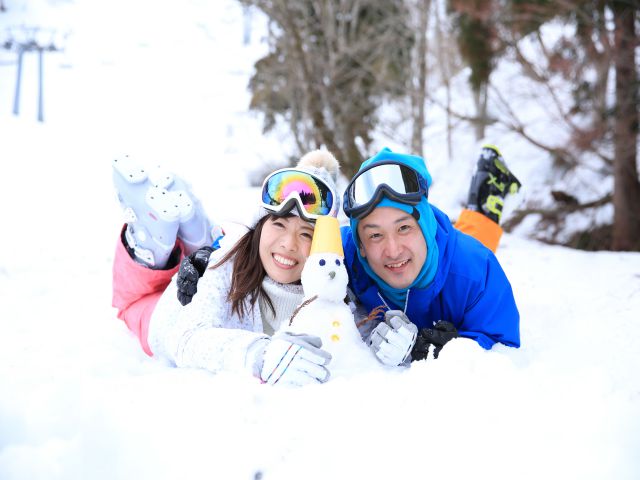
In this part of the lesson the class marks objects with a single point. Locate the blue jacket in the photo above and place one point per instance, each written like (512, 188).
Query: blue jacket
(469, 289)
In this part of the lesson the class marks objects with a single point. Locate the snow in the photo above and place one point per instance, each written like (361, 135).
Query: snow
(79, 399)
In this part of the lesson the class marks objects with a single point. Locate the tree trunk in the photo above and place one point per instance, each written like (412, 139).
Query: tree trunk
(443, 55)
(351, 156)
(626, 195)
(323, 134)
(420, 93)
(480, 123)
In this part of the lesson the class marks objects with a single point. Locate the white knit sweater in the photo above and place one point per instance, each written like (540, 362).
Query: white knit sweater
(205, 333)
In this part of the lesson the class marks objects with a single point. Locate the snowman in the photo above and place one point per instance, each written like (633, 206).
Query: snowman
(324, 312)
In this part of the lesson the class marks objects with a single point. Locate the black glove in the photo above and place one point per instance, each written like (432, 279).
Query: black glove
(191, 269)
(437, 336)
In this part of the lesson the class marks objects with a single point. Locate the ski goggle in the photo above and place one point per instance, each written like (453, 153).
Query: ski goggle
(290, 188)
(394, 180)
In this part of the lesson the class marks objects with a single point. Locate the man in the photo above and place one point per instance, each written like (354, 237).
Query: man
(405, 259)
(421, 281)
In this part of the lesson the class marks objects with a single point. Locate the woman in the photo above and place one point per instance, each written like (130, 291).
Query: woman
(248, 290)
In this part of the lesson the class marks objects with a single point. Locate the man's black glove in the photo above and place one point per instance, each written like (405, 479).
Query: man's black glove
(191, 269)
(437, 336)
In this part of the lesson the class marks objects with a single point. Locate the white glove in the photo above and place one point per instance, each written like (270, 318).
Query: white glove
(393, 339)
(292, 359)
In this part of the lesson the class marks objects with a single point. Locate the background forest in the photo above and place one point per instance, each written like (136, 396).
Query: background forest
(352, 75)
(334, 68)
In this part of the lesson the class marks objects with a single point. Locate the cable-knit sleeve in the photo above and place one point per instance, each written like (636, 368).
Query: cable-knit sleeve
(204, 333)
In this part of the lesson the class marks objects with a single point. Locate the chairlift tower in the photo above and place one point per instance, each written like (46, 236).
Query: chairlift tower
(25, 40)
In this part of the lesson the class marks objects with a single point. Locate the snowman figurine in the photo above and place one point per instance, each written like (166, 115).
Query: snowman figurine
(324, 312)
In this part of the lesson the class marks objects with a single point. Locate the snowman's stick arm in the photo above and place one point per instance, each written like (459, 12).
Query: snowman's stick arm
(372, 315)
(301, 306)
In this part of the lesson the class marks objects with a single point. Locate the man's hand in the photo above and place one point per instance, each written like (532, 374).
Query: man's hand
(293, 359)
(191, 269)
(392, 340)
(437, 336)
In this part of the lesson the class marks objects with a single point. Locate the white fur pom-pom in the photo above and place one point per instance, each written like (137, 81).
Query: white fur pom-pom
(321, 159)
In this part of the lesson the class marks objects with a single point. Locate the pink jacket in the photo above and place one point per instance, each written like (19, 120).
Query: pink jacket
(136, 291)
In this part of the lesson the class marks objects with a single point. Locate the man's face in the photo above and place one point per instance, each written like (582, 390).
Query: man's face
(392, 242)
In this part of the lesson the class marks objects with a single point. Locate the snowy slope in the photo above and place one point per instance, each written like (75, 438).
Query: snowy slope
(80, 400)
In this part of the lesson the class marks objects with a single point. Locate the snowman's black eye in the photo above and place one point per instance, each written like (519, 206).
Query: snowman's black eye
(322, 262)
(337, 262)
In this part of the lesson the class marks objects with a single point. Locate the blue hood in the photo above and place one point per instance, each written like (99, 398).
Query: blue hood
(426, 221)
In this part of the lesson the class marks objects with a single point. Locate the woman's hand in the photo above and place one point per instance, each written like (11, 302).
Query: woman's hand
(294, 359)
(191, 269)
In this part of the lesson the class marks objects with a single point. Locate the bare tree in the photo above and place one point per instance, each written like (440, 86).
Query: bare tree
(448, 62)
(596, 127)
(332, 63)
(476, 35)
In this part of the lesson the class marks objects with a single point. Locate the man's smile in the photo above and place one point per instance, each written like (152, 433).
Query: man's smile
(397, 265)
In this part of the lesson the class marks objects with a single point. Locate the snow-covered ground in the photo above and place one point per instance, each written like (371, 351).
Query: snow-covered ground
(78, 397)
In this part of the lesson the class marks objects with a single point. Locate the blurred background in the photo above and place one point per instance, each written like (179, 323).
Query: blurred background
(553, 84)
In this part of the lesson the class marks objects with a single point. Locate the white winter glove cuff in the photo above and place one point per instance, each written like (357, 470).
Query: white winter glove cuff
(254, 357)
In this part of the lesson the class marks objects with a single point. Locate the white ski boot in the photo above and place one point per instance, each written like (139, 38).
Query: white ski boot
(158, 208)
(196, 230)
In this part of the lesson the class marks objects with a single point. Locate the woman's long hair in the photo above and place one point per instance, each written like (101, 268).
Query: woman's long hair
(248, 271)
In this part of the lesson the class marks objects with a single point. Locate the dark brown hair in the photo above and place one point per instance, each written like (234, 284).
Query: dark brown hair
(248, 271)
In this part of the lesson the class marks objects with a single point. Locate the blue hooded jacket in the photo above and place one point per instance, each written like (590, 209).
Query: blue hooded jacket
(468, 288)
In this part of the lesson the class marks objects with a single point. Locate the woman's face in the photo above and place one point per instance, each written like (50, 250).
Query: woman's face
(284, 247)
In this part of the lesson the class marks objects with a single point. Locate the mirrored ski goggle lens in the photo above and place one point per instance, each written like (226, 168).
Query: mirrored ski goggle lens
(316, 196)
(399, 178)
